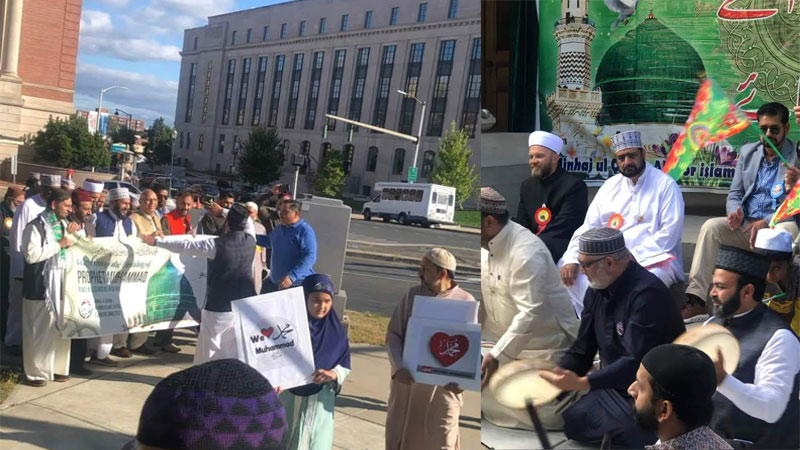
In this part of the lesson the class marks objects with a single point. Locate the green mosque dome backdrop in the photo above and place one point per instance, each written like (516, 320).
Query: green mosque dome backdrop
(169, 296)
(651, 75)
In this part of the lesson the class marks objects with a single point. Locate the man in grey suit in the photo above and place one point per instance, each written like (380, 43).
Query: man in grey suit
(756, 191)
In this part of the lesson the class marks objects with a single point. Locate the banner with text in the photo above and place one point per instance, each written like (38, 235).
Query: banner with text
(116, 287)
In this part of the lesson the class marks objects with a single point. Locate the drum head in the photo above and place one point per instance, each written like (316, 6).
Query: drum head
(518, 381)
(711, 337)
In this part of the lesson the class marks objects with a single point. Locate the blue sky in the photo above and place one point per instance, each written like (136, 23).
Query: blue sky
(136, 44)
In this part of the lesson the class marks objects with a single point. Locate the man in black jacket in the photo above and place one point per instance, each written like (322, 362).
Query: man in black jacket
(552, 202)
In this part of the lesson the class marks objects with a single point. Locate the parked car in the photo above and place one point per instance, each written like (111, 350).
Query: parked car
(210, 192)
(406, 203)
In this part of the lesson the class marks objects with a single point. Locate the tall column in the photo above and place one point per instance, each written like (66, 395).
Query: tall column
(11, 37)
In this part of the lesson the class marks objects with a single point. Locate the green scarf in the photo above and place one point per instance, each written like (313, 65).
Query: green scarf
(58, 230)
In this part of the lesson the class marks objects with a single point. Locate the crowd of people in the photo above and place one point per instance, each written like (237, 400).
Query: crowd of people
(568, 279)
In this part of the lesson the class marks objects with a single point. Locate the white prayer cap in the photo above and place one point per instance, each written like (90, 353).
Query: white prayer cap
(251, 205)
(135, 197)
(118, 194)
(51, 180)
(545, 139)
(66, 183)
(95, 187)
(773, 241)
(441, 258)
(626, 139)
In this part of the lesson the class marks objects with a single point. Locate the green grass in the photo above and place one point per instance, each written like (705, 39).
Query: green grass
(8, 380)
(468, 218)
(367, 328)
(355, 204)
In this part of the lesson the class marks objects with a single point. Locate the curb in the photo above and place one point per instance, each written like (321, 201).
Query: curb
(406, 259)
(453, 228)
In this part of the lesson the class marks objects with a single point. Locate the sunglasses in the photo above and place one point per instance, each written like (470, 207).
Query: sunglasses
(774, 129)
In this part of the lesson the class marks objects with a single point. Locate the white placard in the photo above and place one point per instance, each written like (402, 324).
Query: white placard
(272, 336)
(439, 352)
(445, 309)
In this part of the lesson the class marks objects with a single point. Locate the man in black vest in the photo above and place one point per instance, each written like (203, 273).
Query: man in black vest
(552, 202)
(758, 402)
(230, 277)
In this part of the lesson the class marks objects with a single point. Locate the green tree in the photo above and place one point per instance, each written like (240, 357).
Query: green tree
(68, 143)
(122, 134)
(159, 143)
(329, 180)
(260, 160)
(453, 168)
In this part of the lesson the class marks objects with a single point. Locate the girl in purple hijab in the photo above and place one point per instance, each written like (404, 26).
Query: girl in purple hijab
(309, 408)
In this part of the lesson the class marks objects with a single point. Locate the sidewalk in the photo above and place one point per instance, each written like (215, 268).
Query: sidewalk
(454, 227)
(102, 411)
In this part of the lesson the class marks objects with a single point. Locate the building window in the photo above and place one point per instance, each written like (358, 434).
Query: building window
(372, 159)
(190, 97)
(178, 161)
(200, 141)
(345, 19)
(472, 98)
(221, 148)
(313, 96)
(233, 37)
(265, 37)
(305, 150)
(181, 141)
(413, 70)
(399, 161)
(259, 97)
(283, 31)
(423, 12)
(441, 84)
(189, 140)
(393, 15)
(294, 90)
(360, 79)
(302, 28)
(217, 169)
(427, 164)
(277, 78)
(195, 43)
(336, 86)
(368, 19)
(249, 34)
(384, 83)
(452, 11)
(243, 85)
(283, 148)
(226, 107)
(323, 25)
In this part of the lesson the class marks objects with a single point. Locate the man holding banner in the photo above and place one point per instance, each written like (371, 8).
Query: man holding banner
(45, 353)
(756, 191)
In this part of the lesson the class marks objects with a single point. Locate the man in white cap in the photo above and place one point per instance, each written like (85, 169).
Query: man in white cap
(260, 260)
(113, 222)
(421, 416)
(757, 190)
(642, 202)
(95, 189)
(525, 310)
(552, 201)
(784, 273)
(29, 210)
(68, 185)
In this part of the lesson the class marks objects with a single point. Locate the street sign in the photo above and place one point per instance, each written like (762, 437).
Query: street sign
(412, 174)
(117, 148)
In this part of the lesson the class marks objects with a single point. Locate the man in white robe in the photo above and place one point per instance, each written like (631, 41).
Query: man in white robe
(45, 354)
(29, 210)
(642, 202)
(525, 311)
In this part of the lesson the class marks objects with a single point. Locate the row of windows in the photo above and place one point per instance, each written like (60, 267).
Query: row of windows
(435, 119)
(406, 195)
(344, 24)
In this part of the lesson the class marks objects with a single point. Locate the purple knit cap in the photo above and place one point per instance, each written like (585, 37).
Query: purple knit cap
(223, 404)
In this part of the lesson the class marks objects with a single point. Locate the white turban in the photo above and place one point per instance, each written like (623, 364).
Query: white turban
(95, 187)
(118, 194)
(547, 140)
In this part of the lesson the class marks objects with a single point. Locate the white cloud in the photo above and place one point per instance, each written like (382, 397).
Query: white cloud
(129, 49)
(117, 3)
(147, 97)
(165, 16)
(96, 22)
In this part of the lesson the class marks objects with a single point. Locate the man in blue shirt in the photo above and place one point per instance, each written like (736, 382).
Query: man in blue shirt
(294, 249)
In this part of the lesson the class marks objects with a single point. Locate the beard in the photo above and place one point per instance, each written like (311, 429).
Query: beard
(727, 308)
(542, 171)
(632, 170)
(646, 419)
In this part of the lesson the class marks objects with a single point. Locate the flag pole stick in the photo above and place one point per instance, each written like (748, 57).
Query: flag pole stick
(766, 139)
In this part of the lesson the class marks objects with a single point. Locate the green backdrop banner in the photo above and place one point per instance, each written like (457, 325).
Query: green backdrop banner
(613, 65)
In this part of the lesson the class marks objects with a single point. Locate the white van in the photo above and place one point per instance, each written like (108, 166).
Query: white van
(408, 203)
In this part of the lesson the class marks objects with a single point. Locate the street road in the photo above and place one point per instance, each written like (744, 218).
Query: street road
(381, 232)
(378, 286)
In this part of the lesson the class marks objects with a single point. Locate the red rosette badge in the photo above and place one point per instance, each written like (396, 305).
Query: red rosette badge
(543, 216)
(616, 221)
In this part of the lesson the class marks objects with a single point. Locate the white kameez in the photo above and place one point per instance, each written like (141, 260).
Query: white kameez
(217, 337)
(652, 212)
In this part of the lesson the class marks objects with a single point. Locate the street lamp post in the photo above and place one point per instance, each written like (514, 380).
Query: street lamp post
(421, 120)
(100, 104)
(172, 158)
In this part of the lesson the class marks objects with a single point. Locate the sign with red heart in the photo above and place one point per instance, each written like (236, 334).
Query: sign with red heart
(267, 331)
(448, 349)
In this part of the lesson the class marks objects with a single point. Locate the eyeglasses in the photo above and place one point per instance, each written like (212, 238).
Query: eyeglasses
(585, 266)
(774, 129)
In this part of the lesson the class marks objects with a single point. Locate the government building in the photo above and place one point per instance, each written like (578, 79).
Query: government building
(287, 65)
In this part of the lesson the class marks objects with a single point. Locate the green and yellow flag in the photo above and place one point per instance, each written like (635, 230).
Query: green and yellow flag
(789, 207)
(713, 119)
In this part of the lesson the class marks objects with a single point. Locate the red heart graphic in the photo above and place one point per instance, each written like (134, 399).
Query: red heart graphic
(448, 349)
(267, 331)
